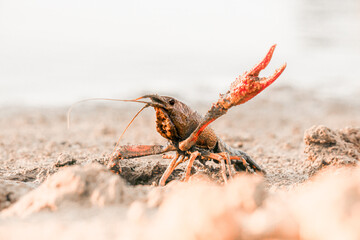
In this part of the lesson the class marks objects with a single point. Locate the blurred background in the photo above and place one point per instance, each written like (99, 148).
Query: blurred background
(57, 52)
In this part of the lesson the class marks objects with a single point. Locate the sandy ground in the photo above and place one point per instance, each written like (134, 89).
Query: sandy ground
(54, 184)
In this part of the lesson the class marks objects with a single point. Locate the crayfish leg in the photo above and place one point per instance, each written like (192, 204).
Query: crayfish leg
(226, 156)
(248, 164)
(222, 158)
(114, 163)
(169, 170)
(173, 164)
(192, 158)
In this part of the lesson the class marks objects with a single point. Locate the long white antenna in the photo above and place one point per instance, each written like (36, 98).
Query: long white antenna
(96, 99)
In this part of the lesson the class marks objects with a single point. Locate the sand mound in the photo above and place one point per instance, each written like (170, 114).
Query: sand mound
(11, 191)
(91, 185)
(205, 210)
(329, 147)
(326, 207)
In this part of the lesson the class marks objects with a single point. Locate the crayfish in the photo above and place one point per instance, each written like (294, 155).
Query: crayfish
(188, 133)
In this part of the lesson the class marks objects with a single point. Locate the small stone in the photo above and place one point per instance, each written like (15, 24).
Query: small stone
(64, 160)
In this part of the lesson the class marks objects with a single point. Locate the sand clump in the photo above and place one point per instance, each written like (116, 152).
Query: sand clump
(11, 191)
(326, 207)
(91, 185)
(64, 160)
(205, 210)
(325, 146)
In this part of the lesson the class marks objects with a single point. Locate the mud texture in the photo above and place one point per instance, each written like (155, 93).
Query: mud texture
(325, 146)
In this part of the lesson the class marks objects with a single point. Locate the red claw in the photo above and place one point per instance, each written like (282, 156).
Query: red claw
(244, 88)
(249, 84)
(263, 64)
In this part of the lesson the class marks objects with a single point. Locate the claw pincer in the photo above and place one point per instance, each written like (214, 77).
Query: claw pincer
(249, 84)
(244, 88)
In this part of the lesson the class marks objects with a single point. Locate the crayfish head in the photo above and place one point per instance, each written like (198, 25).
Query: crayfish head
(174, 119)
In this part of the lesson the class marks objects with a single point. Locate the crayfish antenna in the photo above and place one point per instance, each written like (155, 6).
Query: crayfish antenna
(111, 99)
(132, 120)
(97, 99)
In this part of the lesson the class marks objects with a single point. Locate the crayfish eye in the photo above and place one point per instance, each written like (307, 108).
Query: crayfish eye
(171, 102)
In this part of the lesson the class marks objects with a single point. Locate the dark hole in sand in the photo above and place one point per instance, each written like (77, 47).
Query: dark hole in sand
(136, 172)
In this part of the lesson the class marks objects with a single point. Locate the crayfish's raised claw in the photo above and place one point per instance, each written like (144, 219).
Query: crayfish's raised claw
(244, 88)
(248, 85)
